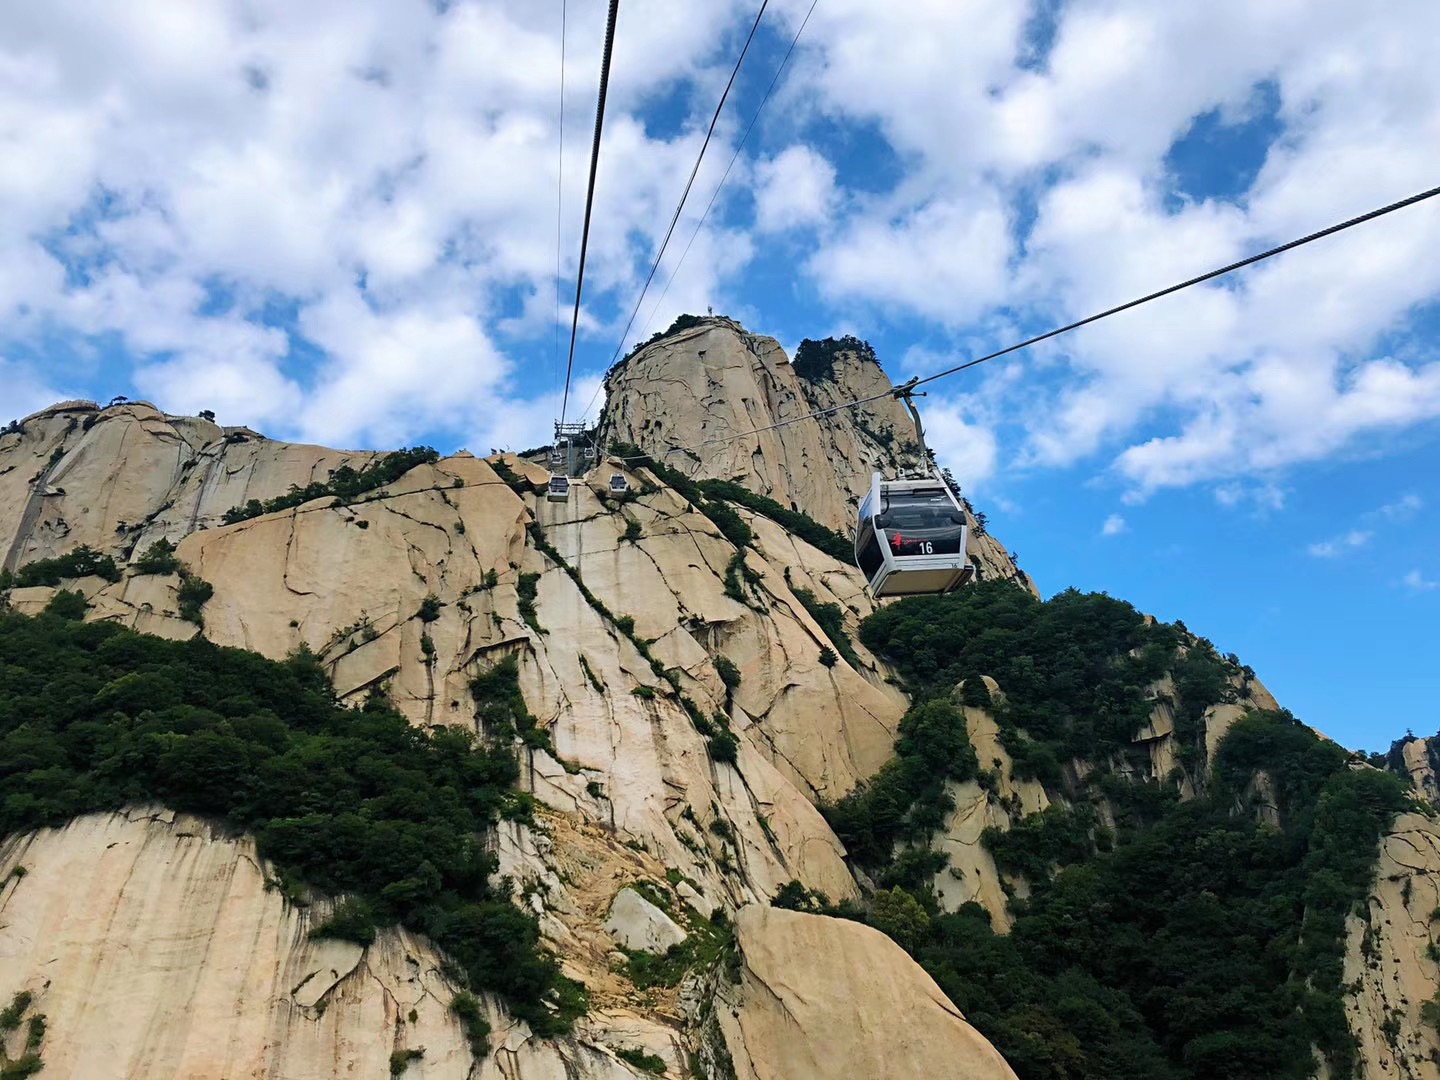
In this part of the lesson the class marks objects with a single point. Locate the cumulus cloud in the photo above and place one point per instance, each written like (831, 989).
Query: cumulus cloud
(796, 187)
(1281, 366)
(943, 260)
(318, 217)
(339, 220)
(1342, 544)
(1419, 582)
(961, 441)
(1114, 526)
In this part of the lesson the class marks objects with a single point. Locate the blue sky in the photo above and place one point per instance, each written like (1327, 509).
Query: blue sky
(337, 222)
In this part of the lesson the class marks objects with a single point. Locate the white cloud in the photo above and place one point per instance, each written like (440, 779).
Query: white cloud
(385, 174)
(1417, 581)
(1272, 369)
(944, 260)
(26, 391)
(1265, 496)
(796, 187)
(1342, 544)
(1114, 526)
(961, 441)
(1403, 508)
(524, 424)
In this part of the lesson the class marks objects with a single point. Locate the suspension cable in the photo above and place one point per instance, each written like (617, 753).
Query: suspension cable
(590, 193)
(898, 392)
(660, 254)
(559, 199)
(1330, 231)
(716, 194)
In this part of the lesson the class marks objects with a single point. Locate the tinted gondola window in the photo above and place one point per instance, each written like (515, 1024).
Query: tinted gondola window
(922, 523)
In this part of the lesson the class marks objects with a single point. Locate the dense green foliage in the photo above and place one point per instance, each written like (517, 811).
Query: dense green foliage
(651, 1063)
(84, 561)
(1196, 941)
(500, 706)
(1034, 845)
(159, 558)
(906, 800)
(466, 1007)
(344, 483)
(1064, 664)
(192, 596)
(29, 1062)
(350, 801)
(815, 360)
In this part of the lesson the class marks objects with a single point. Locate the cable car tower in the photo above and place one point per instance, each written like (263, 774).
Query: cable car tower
(910, 534)
(572, 452)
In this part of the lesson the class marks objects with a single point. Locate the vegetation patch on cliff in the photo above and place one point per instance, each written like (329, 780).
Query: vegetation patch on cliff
(1198, 940)
(710, 497)
(815, 360)
(84, 561)
(345, 483)
(95, 717)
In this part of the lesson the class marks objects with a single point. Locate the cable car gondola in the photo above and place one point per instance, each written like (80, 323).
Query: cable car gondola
(910, 534)
(910, 539)
(618, 484)
(559, 489)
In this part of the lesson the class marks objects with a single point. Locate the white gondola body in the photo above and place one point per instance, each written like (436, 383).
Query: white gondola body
(910, 538)
(618, 484)
(559, 489)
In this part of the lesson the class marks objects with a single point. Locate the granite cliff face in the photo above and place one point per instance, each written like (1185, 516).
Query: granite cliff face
(698, 399)
(154, 946)
(594, 597)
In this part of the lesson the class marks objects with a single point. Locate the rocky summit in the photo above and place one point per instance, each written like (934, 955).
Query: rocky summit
(323, 763)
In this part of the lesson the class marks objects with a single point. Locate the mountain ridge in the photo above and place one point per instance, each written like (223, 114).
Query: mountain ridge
(687, 735)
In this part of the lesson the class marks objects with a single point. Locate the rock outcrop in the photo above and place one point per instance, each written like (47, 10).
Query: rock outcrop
(706, 400)
(1390, 955)
(639, 925)
(1417, 763)
(155, 946)
(829, 999)
(617, 613)
(120, 478)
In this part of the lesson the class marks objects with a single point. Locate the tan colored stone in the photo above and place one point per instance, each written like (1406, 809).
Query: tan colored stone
(638, 925)
(1390, 955)
(636, 790)
(972, 874)
(693, 399)
(155, 949)
(1416, 754)
(826, 998)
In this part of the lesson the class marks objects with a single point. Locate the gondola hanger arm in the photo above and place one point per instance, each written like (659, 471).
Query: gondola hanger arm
(906, 393)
